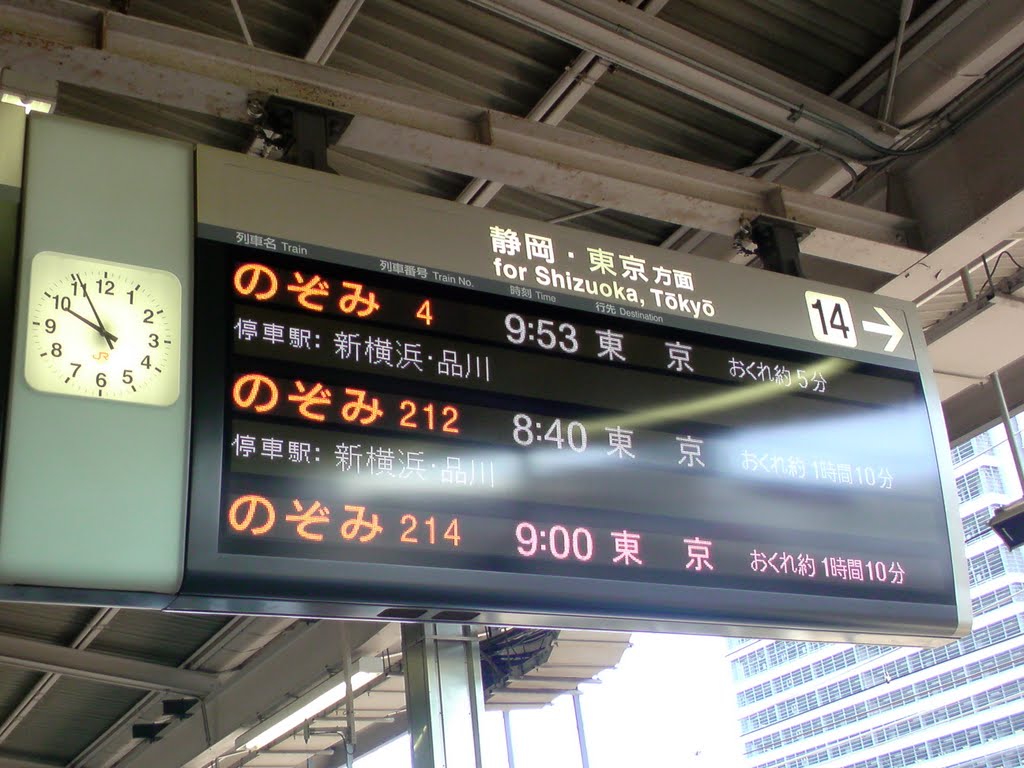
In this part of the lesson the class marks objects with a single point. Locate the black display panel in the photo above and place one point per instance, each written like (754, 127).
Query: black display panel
(371, 440)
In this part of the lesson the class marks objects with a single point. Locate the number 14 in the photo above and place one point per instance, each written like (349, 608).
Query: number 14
(831, 319)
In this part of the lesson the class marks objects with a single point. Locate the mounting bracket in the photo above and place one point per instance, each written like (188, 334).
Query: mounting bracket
(301, 132)
(778, 243)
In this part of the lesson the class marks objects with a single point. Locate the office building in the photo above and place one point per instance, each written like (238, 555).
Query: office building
(827, 705)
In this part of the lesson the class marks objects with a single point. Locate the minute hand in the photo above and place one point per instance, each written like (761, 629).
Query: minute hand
(102, 330)
(106, 334)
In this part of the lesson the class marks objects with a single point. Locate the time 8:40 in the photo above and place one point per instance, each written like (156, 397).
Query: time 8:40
(560, 433)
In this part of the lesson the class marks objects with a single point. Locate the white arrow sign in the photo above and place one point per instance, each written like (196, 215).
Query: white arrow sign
(888, 328)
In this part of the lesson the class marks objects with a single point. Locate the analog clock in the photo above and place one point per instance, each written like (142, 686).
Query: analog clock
(103, 329)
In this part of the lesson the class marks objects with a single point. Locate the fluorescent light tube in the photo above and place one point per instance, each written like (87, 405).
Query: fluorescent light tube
(319, 699)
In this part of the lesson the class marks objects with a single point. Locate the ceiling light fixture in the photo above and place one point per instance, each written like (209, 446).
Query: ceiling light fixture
(319, 699)
(27, 92)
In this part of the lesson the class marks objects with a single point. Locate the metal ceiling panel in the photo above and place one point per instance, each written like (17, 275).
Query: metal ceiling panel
(961, 359)
(815, 42)
(14, 686)
(163, 638)
(452, 48)
(637, 111)
(52, 623)
(606, 222)
(285, 26)
(67, 720)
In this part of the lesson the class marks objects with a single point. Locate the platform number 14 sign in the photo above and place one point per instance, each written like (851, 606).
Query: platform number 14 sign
(831, 319)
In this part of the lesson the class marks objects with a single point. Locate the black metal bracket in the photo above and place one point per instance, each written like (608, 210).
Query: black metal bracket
(778, 244)
(302, 133)
(148, 731)
(179, 708)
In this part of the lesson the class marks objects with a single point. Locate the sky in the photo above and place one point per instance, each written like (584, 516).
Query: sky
(669, 702)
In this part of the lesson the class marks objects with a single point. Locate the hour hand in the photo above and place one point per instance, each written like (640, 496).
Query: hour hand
(103, 331)
(107, 335)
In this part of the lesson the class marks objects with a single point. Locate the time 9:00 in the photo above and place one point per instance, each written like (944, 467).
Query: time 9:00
(558, 540)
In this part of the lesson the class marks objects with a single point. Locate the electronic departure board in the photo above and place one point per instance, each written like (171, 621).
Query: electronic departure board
(370, 442)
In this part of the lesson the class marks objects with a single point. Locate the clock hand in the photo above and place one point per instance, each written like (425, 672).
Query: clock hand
(106, 334)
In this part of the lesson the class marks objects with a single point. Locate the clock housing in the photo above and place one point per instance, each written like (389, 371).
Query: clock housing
(103, 329)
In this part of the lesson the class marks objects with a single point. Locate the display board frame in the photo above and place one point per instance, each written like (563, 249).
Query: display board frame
(215, 581)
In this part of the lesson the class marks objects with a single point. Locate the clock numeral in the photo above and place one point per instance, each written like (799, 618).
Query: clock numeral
(101, 380)
(127, 377)
(56, 349)
(154, 340)
(50, 325)
(61, 302)
(77, 367)
(131, 296)
(147, 316)
(145, 362)
(105, 286)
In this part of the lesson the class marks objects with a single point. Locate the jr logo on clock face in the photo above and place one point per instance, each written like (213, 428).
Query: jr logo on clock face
(103, 329)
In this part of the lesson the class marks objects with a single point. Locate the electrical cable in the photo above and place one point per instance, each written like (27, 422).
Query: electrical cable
(1010, 257)
(953, 127)
(990, 273)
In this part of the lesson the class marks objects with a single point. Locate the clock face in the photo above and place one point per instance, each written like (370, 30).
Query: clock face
(103, 329)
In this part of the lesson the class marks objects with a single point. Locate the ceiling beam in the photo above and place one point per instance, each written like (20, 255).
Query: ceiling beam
(99, 621)
(967, 194)
(600, 172)
(230, 648)
(15, 760)
(692, 65)
(951, 46)
(180, 68)
(101, 667)
(976, 409)
(332, 30)
(301, 659)
(954, 55)
(565, 93)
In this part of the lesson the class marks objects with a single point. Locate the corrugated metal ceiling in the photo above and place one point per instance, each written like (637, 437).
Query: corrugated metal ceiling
(815, 42)
(73, 713)
(51, 623)
(164, 638)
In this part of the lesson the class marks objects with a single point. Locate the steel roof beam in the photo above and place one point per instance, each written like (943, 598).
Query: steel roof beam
(229, 649)
(101, 667)
(180, 68)
(692, 65)
(99, 621)
(565, 93)
(16, 760)
(967, 194)
(953, 56)
(604, 173)
(302, 658)
(332, 30)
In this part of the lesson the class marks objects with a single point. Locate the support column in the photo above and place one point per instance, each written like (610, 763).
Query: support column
(508, 740)
(1008, 425)
(584, 752)
(444, 695)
